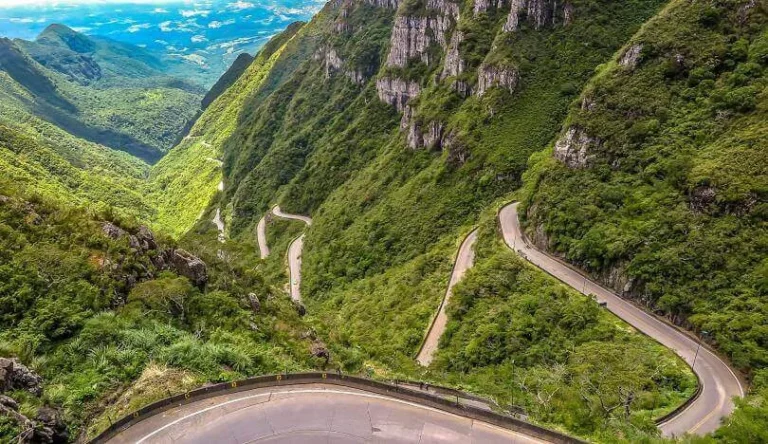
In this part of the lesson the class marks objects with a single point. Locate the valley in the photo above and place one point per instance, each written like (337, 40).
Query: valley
(340, 202)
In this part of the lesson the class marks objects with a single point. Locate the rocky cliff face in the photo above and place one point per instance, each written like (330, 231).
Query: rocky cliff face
(396, 92)
(490, 76)
(422, 135)
(538, 13)
(454, 65)
(573, 147)
(389, 4)
(333, 63)
(412, 38)
(631, 56)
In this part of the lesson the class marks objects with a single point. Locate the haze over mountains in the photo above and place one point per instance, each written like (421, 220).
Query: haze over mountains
(210, 34)
(633, 135)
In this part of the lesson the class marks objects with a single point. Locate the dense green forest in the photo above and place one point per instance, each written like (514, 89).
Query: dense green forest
(96, 305)
(633, 132)
(666, 178)
(96, 89)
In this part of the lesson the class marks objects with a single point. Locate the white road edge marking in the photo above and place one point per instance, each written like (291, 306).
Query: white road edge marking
(342, 392)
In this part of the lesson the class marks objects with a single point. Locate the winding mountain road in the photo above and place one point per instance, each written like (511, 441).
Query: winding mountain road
(311, 414)
(294, 253)
(719, 384)
(261, 236)
(219, 225)
(464, 261)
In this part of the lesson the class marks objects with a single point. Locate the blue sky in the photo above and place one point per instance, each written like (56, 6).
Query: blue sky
(210, 33)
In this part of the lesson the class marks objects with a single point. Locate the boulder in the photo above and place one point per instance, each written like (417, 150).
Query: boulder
(16, 376)
(112, 231)
(189, 266)
(253, 300)
(300, 309)
(50, 428)
(318, 349)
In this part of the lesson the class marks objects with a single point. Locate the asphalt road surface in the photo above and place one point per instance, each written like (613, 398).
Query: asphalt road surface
(294, 254)
(464, 261)
(219, 225)
(261, 236)
(311, 414)
(719, 382)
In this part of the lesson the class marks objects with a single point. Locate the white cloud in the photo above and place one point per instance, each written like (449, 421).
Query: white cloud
(81, 29)
(166, 26)
(217, 24)
(194, 58)
(239, 5)
(137, 28)
(198, 38)
(65, 3)
(159, 11)
(186, 13)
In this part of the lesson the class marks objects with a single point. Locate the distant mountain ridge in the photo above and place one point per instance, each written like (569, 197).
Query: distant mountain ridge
(104, 91)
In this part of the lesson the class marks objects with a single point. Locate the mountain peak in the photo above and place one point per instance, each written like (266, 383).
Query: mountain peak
(60, 35)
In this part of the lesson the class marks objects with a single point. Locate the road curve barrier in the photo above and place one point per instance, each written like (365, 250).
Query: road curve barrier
(380, 388)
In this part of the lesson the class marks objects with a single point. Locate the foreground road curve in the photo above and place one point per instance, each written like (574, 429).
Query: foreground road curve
(311, 413)
(464, 261)
(719, 383)
(294, 253)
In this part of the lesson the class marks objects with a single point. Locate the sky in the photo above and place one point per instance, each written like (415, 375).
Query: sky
(210, 33)
(12, 3)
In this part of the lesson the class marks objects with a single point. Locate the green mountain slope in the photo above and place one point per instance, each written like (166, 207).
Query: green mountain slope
(658, 183)
(103, 310)
(103, 91)
(395, 148)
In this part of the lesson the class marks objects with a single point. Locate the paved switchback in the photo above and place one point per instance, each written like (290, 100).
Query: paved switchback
(294, 253)
(464, 261)
(261, 236)
(311, 414)
(719, 383)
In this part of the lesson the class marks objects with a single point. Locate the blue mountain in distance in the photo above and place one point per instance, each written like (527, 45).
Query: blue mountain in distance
(111, 93)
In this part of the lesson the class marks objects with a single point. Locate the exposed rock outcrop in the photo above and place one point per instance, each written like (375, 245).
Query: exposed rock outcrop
(144, 242)
(490, 76)
(112, 231)
(333, 63)
(299, 307)
(50, 427)
(396, 92)
(538, 13)
(631, 56)
(254, 302)
(190, 267)
(428, 136)
(445, 8)
(481, 6)
(16, 376)
(389, 4)
(318, 349)
(454, 65)
(573, 147)
(412, 37)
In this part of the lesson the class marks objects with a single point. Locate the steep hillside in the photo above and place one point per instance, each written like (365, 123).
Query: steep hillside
(241, 63)
(659, 180)
(394, 127)
(399, 129)
(185, 181)
(101, 314)
(103, 91)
